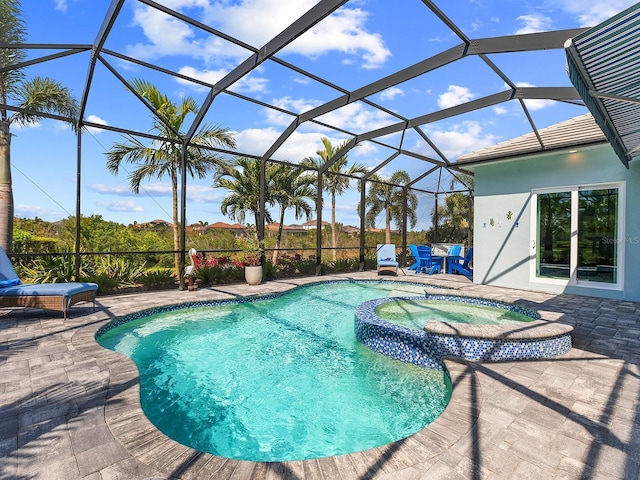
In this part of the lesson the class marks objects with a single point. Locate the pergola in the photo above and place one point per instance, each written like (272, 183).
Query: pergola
(603, 65)
(391, 136)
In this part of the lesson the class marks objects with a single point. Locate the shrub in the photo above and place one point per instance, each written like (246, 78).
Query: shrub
(295, 264)
(342, 265)
(219, 274)
(49, 269)
(106, 284)
(157, 278)
(125, 269)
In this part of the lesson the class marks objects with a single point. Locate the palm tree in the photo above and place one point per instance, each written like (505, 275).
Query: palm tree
(36, 95)
(336, 179)
(388, 198)
(291, 189)
(242, 178)
(164, 157)
(453, 218)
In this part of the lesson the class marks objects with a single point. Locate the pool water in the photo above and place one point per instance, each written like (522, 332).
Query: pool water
(278, 379)
(415, 313)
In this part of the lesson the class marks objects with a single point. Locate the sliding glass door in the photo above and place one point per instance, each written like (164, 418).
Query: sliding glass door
(577, 234)
(597, 235)
(554, 235)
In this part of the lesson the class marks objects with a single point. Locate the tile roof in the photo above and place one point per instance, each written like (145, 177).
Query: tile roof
(581, 130)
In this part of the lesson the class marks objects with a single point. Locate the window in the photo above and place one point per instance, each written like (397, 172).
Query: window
(577, 235)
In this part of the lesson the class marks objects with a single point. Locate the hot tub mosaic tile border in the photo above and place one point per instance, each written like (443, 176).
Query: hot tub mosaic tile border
(428, 349)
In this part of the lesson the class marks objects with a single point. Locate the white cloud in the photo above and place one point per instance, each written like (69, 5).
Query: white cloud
(120, 206)
(533, 24)
(167, 35)
(247, 83)
(154, 189)
(295, 105)
(458, 139)
(99, 121)
(592, 12)
(195, 193)
(344, 31)
(535, 104)
(299, 145)
(61, 5)
(475, 26)
(454, 95)
(500, 110)
(203, 194)
(31, 211)
(123, 190)
(391, 93)
(358, 118)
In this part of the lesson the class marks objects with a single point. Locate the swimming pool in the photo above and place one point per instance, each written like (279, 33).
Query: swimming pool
(278, 378)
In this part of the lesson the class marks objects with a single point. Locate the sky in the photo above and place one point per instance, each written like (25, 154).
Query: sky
(361, 42)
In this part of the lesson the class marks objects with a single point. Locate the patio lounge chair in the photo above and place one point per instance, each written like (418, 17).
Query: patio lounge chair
(427, 262)
(386, 256)
(49, 296)
(458, 264)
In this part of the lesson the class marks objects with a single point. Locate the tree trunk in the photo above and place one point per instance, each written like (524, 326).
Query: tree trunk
(274, 258)
(6, 191)
(333, 225)
(176, 225)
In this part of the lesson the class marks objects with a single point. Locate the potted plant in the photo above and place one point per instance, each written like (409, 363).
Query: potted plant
(252, 254)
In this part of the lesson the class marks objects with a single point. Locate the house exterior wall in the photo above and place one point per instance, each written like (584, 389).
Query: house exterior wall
(504, 252)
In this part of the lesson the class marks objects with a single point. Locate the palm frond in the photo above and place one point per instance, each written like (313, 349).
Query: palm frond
(45, 95)
(14, 31)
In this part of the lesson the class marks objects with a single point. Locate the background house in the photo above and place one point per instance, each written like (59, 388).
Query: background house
(235, 228)
(272, 229)
(561, 220)
(313, 224)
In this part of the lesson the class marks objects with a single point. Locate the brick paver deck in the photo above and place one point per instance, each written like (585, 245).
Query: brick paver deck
(69, 408)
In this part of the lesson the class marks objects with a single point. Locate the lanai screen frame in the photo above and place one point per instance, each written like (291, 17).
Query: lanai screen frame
(467, 47)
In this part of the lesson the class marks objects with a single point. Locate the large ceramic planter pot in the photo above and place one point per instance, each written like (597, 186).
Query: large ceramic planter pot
(253, 275)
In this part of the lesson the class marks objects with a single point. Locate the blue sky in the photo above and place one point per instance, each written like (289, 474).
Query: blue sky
(363, 41)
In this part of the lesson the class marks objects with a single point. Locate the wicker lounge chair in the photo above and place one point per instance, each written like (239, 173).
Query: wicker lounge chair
(49, 296)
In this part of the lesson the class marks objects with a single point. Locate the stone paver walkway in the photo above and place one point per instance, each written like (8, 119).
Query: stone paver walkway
(69, 408)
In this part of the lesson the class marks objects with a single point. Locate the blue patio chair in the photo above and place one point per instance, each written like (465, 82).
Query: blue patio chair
(414, 253)
(458, 264)
(454, 251)
(427, 262)
(386, 259)
(49, 296)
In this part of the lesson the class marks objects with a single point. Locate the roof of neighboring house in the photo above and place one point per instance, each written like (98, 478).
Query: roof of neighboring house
(582, 130)
(380, 230)
(228, 226)
(289, 228)
(350, 229)
(159, 221)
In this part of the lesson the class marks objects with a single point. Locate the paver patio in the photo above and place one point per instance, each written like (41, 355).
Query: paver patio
(69, 408)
